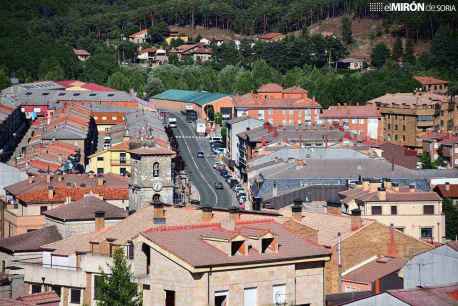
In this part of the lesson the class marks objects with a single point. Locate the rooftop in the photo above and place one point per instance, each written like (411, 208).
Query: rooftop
(447, 190)
(30, 241)
(409, 99)
(350, 112)
(269, 36)
(84, 209)
(188, 96)
(374, 270)
(426, 80)
(188, 245)
(437, 296)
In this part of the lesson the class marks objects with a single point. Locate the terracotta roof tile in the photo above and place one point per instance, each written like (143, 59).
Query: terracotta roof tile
(451, 193)
(429, 80)
(374, 270)
(350, 112)
(40, 298)
(269, 36)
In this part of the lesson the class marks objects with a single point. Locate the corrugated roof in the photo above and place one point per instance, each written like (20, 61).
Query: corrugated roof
(188, 96)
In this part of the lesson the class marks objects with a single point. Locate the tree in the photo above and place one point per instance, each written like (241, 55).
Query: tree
(50, 69)
(426, 161)
(397, 49)
(379, 55)
(4, 80)
(153, 87)
(451, 218)
(157, 33)
(224, 134)
(346, 30)
(117, 288)
(409, 56)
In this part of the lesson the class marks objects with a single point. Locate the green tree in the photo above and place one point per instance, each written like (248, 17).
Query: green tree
(50, 69)
(426, 161)
(380, 53)
(4, 80)
(346, 30)
(451, 219)
(409, 56)
(153, 87)
(117, 288)
(223, 134)
(157, 33)
(397, 49)
(119, 80)
(218, 118)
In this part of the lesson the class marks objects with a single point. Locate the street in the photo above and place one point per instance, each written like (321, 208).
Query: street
(203, 176)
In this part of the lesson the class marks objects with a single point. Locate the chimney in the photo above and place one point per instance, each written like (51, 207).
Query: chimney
(48, 179)
(296, 210)
(381, 194)
(50, 192)
(158, 213)
(99, 220)
(274, 190)
(412, 188)
(356, 221)
(100, 180)
(395, 187)
(207, 213)
(447, 186)
(30, 179)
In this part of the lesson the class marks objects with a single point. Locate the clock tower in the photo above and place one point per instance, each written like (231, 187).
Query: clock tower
(151, 174)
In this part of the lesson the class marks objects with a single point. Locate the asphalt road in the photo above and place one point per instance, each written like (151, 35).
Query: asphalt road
(203, 176)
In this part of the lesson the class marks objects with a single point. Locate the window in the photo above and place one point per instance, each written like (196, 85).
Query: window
(428, 209)
(396, 137)
(97, 283)
(394, 210)
(43, 209)
(99, 170)
(36, 288)
(56, 289)
(221, 298)
(99, 158)
(122, 157)
(376, 210)
(426, 233)
(122, 171)
(279, 295)
(250, 297)
(75, 295)
(156, 169)
(130, 250)
(169, 298)
(401, 229)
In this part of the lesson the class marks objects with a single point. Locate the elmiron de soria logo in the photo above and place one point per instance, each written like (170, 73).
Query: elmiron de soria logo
(410, 7)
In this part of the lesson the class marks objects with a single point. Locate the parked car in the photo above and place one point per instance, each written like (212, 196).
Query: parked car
(216, 139)
(219, 185)
(200, 154)
(217, 165)
(219, 150)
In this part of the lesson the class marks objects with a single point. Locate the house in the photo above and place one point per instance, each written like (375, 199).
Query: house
(271, 37)
(364, 121)
(448, 191)
(352, 240)
(409, 117)
(431, 84)
(28, 200)
(443, 146)
(151, 56)
(139, 37)
(24, 247)
(234, 127)
(174, 35)
(351, 64)
(114, 159)
(88, 214)
(436, 267)
(415, 212)
(229, 263)
(81, 54)
(277, 106)
(198, 52)
(176, 100)
(376, 274)
(73, 264)
(439, 296)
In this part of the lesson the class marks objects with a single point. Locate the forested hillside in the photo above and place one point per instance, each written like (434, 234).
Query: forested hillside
(37, 37)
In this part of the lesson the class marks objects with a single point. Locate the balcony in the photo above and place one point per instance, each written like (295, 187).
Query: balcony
(53, 274)
(120, 162)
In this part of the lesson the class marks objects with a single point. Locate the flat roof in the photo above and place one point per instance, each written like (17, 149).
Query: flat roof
(189, 96)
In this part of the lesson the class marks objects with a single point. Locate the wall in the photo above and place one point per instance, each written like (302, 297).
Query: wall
(379, 300)
(237, 128)
(175, 106)
(110, 163)
(371, 240)
(285, 117)
(67, 229)
(434, 268)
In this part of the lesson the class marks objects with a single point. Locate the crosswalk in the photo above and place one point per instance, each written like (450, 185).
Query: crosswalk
(190, 137)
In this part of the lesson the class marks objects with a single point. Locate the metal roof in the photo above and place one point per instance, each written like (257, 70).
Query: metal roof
(188, 96)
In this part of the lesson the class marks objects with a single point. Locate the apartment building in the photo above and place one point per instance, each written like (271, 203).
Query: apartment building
(432, 84)
(443, 146)
(13, 125)
(363, 121)
(229, 263)
(408, 117)
(278, 106)
(28, 200)
(414, 212)
(72, 266)
(114, 159)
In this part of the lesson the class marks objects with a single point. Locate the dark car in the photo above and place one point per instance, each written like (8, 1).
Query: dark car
(200, 154)
(219, 185)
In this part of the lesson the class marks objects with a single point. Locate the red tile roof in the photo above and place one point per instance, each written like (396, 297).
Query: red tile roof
(430, 80)
(188, 244)
(437, 296)
(351, 112)
(139, 33)
(451, 193)
(81, 52)
(88, 86)
(44, 165)
(40, 298)
(110, 117)
(374, 270)
(269, 36)
(30, 241)
(253, 101)
(295, 89)
(270, 87)
(403, 195)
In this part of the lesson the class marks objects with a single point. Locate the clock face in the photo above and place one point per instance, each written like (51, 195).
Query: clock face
(157, 186)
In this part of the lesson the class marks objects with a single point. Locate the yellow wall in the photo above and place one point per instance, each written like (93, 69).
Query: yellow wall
(110, 163)
(169, 39)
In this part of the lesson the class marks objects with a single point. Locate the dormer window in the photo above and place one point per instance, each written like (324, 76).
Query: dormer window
(268, 245)
(237, 248)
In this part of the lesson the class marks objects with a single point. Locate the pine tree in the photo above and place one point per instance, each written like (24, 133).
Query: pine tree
(346, 30)
(380, 53)
(118, 289)
(397, 49)
(409, 56)
(451, 218)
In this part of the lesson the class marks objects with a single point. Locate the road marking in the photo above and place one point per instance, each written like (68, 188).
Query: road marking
(197, 167)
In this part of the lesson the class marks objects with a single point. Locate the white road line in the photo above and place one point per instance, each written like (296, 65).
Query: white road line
(200, 174)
